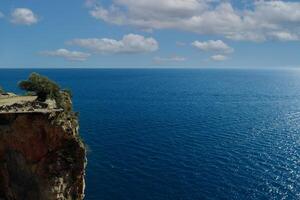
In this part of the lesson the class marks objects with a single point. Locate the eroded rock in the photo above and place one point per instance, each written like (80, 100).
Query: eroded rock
(41, 156)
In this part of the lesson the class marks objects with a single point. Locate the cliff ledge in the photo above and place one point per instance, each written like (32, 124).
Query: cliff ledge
(41, 154)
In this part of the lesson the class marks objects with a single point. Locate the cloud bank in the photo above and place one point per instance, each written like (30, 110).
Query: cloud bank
(219, 58)
(68, 55)
(130, 43)
(213, 45)
(169, 59)
(261, 20)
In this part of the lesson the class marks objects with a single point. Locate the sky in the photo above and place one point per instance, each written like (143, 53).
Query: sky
(149, 34)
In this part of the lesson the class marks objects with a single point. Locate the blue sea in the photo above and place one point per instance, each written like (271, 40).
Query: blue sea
(184, 134)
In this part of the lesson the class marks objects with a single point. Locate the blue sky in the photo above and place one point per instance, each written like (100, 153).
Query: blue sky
(149, 33)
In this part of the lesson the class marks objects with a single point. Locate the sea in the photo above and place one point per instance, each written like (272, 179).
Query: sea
(185, 134)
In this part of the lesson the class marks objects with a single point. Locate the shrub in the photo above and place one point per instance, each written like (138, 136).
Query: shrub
(43, 87)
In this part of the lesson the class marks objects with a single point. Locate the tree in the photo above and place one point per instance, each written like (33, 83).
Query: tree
(43, 87)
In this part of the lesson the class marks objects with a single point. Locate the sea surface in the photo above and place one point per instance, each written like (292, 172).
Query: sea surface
(175, 134)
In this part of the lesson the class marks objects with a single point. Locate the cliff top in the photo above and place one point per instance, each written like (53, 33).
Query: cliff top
(11, 103)
(41, 153)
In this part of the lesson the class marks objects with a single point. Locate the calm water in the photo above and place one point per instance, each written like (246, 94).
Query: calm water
(186, 134)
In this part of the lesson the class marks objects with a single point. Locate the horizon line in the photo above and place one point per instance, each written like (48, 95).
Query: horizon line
(148, 68)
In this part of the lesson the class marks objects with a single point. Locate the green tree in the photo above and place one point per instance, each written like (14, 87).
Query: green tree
(43, 87)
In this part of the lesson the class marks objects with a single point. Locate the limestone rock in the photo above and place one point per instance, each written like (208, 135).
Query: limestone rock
(41, 159)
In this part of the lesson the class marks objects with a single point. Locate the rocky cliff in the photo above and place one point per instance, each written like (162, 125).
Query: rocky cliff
(41, 154)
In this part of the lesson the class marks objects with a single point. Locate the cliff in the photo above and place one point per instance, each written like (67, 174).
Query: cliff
(41, 154)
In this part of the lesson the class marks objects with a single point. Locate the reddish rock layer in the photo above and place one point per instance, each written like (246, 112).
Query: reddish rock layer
(39, 159)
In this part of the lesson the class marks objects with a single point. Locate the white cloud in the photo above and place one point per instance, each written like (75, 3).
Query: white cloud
(261, 20)
(130, 43)
(1, 15)
(284, 36)
(169, 59)
(213, 45)
(219, 58)
(23, 16)
(68, 55)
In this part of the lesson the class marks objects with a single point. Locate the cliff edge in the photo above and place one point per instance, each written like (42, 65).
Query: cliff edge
(41, 154)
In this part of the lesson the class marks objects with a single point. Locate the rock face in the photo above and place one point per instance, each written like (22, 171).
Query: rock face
(41, 157)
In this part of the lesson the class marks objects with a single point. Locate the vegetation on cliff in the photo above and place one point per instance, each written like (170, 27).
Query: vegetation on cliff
(41, 153)
(46, 89)
(48, 97)
(40, 85)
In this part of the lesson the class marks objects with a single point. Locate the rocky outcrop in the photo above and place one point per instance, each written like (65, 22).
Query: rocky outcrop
(41, 156)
